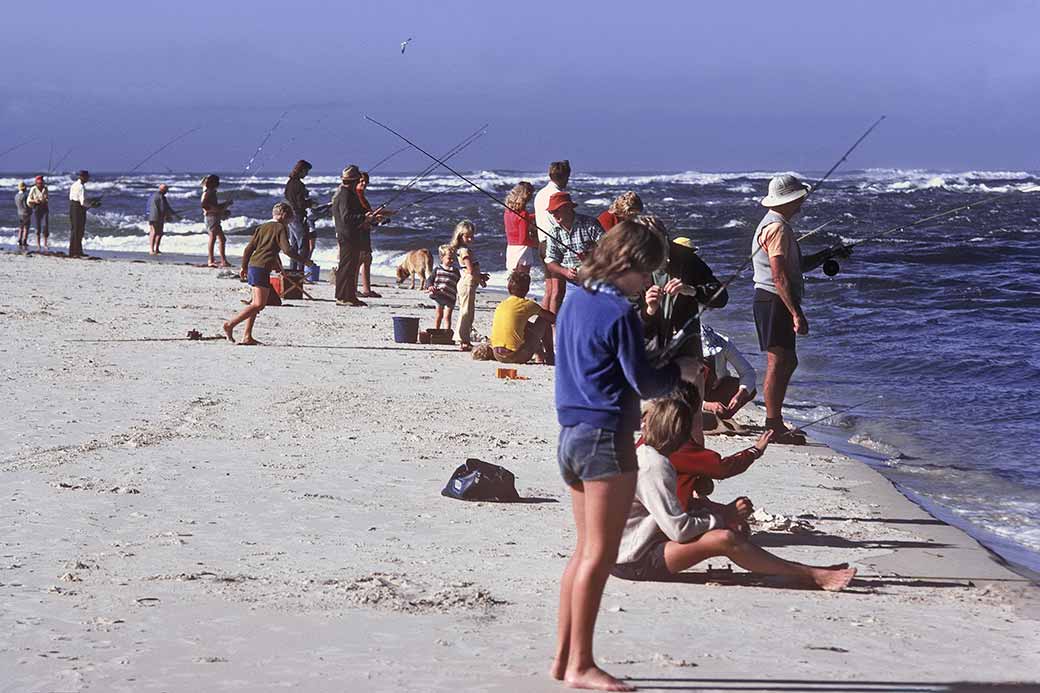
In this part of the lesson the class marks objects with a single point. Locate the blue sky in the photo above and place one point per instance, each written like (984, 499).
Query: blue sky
(612, 86)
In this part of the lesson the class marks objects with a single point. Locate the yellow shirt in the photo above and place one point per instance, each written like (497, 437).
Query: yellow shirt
(510, 322)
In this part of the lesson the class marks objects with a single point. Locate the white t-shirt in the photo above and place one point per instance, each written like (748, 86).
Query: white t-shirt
(542, 217)
(78, 193)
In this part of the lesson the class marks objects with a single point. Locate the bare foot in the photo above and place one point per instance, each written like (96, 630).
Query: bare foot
(249, 341)
(224, 263)
(230, 332)
(559, 667)
(833, 580)
(596, 679)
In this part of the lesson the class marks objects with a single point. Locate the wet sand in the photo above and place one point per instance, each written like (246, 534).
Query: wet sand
(191, 515)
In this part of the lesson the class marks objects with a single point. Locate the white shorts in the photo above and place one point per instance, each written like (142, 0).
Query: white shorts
(522, 254)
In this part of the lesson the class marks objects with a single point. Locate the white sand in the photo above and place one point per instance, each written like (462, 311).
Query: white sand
(193, 516)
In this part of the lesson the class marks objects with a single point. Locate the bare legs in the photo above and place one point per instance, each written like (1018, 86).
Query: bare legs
(213, 237)
(445, 313)
(248, 315)
(600, 510)
(154, 236)
(740, 550)
(365, 272)
(780, 366)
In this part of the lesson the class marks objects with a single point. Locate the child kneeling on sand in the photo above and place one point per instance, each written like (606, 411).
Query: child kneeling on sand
(513, 338)
(602, 372)
(691, 537)
(258, 259)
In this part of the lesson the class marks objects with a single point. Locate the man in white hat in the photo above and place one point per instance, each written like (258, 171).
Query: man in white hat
(779, 287)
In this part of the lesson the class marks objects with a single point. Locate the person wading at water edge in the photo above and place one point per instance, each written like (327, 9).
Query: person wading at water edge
(38, 202)
(259, 258)
(21, 205)
(300, 200)
(159, 212)
(213, 213)
(779, 289)
(78, 204)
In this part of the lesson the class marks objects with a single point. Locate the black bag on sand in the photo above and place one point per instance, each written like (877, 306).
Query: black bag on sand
(477, 480)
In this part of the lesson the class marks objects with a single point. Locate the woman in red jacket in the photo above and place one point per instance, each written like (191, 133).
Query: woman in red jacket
(521, 231)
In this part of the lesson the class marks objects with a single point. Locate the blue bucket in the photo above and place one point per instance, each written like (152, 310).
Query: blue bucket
(312, 273)
(406, 330)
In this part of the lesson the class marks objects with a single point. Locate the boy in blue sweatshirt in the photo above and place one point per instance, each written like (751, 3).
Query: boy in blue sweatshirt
(602, 373)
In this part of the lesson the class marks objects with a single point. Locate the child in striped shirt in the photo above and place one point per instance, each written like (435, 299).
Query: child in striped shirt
(443, 285)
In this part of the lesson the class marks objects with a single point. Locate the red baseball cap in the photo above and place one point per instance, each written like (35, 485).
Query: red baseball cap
(560, 199)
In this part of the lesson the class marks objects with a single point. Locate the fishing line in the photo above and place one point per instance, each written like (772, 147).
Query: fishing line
(833, 414)
(263, 142)
(17, 146)
(148, 158)
(497, 201)
(386, 158)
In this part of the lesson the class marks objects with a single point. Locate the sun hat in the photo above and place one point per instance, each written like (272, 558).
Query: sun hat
(351, 172)
(684, 242)
(558, 200)
(783, 189)
(21, 185)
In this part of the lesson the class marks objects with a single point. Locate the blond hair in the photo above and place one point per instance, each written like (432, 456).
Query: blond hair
(461, 229)
(638, 244)
(519, 196)
(446, 250)
(626, 205)
(667, 424)
(283, 208)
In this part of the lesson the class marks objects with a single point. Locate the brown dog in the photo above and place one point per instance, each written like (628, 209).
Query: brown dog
(416, 263)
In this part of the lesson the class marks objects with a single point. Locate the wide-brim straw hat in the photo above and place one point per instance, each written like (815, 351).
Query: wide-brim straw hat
(351, 172)
(784, 189)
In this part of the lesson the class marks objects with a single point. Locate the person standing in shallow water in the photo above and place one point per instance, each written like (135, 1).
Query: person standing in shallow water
(78, 204)
(779, 288)
(214, 212)
(39, 203)
(159, 212)
(21, 205)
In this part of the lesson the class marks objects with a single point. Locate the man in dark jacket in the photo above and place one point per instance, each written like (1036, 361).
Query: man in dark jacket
(349, 215)
(686, 284)
(159, 212)
(300, 200)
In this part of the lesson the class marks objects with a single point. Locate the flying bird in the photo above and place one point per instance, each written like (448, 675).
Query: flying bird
(404, 44)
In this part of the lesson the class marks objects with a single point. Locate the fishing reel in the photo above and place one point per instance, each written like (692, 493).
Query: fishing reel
(831, 267)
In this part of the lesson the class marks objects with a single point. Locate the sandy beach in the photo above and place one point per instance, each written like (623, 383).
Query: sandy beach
(195, 516)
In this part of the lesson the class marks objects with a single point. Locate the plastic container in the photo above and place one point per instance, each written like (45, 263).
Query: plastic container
(406, 330)
(312, 273)
(441, 336)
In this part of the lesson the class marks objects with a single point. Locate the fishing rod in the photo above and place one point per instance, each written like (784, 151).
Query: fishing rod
(17, 146)
(60, 161)
(263, 142)
(437, 161)
(148, 158)
(691, 329)
(831, 266)
(458, 148)
(833, 414)
(386, 158)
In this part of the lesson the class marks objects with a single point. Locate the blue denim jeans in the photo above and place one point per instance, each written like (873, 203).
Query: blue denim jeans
(298, 242)
(586, 453)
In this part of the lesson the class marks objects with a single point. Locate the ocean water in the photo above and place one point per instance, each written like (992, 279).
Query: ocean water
(940, 321)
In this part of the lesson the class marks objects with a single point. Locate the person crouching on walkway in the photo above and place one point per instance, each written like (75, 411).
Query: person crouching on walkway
(602, 372)
(660, 539)
(258, 259)
(514, 339)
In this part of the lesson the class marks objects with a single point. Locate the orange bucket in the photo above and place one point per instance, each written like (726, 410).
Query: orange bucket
(506, 373)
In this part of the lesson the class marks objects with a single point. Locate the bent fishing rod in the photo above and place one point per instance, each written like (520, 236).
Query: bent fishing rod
(833, 414)
(476, 187)
(692, 327)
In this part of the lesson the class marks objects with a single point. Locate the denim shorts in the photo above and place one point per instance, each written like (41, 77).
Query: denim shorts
(259, 276)
(586, 453)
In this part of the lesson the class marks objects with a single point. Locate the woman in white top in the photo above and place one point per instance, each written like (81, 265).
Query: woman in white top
(661, 539)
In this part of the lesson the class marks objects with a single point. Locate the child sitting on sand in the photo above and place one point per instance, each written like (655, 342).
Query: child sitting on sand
(691, 537)
(514, 337)
(258, 259)
(471, 277)
(443, 286)
(602, 371)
